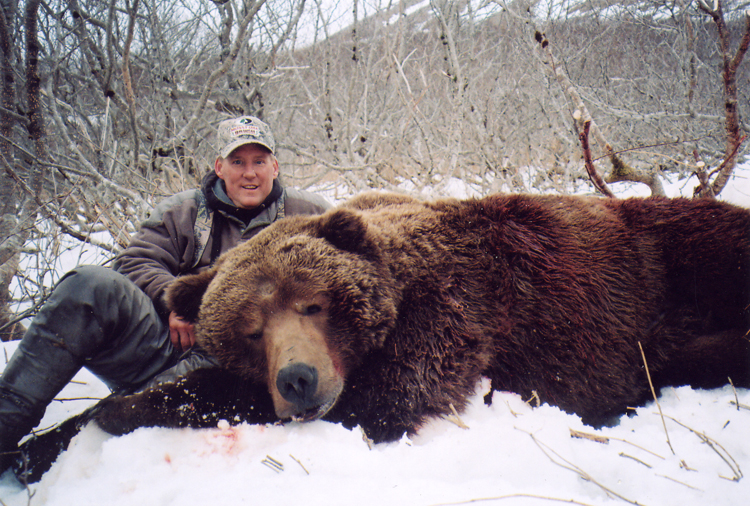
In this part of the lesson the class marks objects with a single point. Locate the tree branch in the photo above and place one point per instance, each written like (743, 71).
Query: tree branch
(216, 74)
(596, 179)
(127, 80)
(8, 98)
(620, 170)
(33, 82)
(53, 215)
(731, 110)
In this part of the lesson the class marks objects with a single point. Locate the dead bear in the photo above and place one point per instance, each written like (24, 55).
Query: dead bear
(387, 310)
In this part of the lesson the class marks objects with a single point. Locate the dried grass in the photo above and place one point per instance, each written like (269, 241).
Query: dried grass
(656, 399)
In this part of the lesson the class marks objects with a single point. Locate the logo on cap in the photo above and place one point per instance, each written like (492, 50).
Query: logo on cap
(233, 133)
(240, 130)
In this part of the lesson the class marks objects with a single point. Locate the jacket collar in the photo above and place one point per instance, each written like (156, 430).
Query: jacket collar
(217, 199)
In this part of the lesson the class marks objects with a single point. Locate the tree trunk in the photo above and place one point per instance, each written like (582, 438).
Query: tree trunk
(11, 241)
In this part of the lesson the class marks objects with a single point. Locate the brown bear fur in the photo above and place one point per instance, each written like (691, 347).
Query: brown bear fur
(401, 306)
(388, 310)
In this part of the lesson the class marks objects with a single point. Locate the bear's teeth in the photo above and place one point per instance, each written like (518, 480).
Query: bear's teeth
(309, 415)
(313, 413)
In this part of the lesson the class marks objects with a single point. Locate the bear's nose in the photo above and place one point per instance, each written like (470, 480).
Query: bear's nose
(297, 383)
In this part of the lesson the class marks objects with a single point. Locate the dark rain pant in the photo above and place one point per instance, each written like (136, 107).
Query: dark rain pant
(95, 318)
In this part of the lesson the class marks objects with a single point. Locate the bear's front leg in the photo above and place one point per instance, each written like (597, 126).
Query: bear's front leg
(385, 410)
(199, 399)
(37, 454)
(165, 406)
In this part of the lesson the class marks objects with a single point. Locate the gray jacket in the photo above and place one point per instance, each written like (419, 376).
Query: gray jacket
(180, 235)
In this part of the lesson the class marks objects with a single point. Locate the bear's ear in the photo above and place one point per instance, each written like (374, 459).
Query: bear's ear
(184, 294)
(346, 230)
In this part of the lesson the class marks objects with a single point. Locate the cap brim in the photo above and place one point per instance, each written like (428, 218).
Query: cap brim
(241, 142)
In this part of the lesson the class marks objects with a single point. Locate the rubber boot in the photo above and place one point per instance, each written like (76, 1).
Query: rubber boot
(27, 386)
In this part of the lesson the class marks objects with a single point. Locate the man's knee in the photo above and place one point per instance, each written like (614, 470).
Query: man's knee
(93, 309)
(87, 280)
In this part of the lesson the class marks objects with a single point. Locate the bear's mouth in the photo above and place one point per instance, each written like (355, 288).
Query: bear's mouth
(315, 413)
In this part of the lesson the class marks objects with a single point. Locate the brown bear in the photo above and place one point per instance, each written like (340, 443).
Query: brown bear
(388, 310)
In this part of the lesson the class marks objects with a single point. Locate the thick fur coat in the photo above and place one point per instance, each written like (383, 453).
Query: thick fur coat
(387, 310)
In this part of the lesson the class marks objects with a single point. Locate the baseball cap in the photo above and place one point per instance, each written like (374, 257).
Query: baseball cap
(236, 132)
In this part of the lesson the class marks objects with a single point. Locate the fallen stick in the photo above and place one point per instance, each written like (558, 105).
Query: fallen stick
(300, 464)
(743, 406)
(572, 467)
(716, 446)
(272, 463)
(621, 454)
(653, 392)
(678, 481)
(591, 437)
(513, 496)
(454, 418)
(606, 439)
(736, 398)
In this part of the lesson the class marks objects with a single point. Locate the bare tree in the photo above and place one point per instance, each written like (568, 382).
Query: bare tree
(658, 104)
(12, 236)
(113, 111)
(730, 65)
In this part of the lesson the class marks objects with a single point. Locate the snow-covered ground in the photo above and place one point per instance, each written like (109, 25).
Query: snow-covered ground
(509, 453)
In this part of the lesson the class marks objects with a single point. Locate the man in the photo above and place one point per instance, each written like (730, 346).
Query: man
(115, 322)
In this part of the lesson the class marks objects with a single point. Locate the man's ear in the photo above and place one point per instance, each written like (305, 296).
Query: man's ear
(185, 293)
(218, 167)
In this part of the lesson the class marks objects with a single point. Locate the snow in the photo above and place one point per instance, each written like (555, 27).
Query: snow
(510, 450)
(510, 453)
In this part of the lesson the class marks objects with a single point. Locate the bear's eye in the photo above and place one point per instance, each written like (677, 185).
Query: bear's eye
(255, 336)
(313, 309)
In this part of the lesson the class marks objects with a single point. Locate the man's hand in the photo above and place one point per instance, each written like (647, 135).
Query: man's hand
(181, 332)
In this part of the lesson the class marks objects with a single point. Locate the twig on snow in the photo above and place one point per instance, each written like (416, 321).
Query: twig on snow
(622, 454)
(653, 392)
(534, 396)
(637, 446)
(678, 481)
(454, 418)
(300, 464)
(716, 447)
(565, 464)
(736, 398)
(513, 496)
(272, 463)
(591, 437)
(740, 405)
(606, 439)
(515, 415)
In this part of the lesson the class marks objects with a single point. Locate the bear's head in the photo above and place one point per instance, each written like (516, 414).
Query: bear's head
(297, 306)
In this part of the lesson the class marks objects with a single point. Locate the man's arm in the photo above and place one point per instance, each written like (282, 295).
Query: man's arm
(162, 249)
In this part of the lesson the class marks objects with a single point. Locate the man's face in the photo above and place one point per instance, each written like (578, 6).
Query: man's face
(248, 173)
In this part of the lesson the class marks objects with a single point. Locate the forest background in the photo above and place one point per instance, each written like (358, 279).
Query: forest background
(109, 106)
